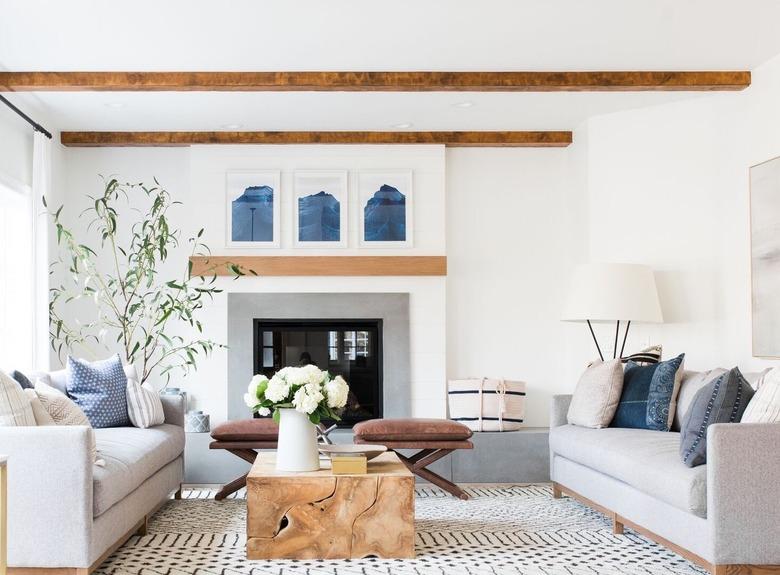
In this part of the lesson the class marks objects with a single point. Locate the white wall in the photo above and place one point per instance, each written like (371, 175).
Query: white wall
(515, 228)
(668, 186)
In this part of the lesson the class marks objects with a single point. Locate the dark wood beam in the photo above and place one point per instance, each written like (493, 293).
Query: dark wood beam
(322, 265)
(374, 81)
(450, 139)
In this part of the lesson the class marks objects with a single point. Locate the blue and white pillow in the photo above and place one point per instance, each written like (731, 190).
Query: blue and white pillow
(99, 388)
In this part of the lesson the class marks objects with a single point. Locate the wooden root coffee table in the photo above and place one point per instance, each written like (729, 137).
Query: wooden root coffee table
(318, 515)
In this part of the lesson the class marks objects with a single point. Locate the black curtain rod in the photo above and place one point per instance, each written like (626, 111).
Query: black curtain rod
(36, 126)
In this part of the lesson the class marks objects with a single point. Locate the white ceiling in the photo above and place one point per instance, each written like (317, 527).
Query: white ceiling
(370, 35)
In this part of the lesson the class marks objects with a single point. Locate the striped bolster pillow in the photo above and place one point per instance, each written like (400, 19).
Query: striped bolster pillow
(647, 356)
(144, 405)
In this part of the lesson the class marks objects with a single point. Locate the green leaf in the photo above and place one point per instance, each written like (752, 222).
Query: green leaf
(277, 415)
(314, 418)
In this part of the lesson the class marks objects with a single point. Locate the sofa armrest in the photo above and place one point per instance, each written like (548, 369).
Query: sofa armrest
(173, 407)
(743, 472)
(49, 495)
(559, 410)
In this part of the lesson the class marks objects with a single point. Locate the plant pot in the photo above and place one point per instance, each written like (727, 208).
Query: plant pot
(297, 445)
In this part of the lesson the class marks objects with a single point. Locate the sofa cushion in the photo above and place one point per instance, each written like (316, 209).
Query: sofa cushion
(132, 455)
(257, 429)
(644, 459)
(597, 394)
(692, 382)
(411, 429)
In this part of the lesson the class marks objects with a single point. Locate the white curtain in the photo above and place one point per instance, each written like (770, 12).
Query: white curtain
(41, 184)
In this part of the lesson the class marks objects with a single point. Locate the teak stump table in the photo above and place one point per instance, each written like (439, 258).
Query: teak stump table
(318, 515)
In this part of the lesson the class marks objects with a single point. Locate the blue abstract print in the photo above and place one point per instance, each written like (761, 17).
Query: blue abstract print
(319, 218)
(253, 215)
(385, 216)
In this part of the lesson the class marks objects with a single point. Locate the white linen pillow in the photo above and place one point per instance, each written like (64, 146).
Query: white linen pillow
(65, 412)
(144, 405)
(15, 408)
(764, 407)
(42, 416)
(597, 394)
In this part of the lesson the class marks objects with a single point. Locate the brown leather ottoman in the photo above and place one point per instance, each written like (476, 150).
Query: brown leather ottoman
(435, 438)
(243, 438)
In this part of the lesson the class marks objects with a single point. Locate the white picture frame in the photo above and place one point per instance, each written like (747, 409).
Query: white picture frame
(306, 185)
(245, 228)
(370, 183)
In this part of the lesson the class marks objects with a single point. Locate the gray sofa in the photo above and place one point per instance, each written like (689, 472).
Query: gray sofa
(63, 511)
(724, 515)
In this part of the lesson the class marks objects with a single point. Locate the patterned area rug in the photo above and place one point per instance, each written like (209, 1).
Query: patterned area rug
(517, 529)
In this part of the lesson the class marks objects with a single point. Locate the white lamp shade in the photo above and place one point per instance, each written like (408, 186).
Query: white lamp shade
(612, 292)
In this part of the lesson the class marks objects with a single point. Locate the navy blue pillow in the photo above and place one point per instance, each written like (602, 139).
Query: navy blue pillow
(632, 409)
(662, 392)
(99, 388)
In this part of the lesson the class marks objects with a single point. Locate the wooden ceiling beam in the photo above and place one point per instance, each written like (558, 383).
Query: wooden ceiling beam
(449, 139)
(374, 81)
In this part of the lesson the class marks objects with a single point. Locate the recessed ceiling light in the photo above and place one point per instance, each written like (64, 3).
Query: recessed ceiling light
(231, 126)
(115, 105)
(463, 104)
(403, 125)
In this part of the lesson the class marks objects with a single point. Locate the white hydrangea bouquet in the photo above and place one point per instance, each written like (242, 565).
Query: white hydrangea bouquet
(308, 389)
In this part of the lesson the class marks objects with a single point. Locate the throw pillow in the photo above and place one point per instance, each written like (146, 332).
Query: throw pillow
(664, 388)
(692, 382)
(765, 405)
(22, 379)
(597, 394)
(63, 411)
(99, 388)
(40, 414)
(15, 408)
(144, 405)
(647, 356)
(721, 401)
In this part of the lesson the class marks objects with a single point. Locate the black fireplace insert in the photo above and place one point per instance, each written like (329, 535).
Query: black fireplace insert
(351, 348)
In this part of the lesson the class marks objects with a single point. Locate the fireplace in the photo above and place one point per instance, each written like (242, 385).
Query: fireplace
(351, 348)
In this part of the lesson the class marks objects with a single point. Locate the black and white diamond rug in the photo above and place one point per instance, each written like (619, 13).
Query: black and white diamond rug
(517, 529)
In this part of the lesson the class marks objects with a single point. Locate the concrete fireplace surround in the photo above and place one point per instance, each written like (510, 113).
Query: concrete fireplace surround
(391, 308)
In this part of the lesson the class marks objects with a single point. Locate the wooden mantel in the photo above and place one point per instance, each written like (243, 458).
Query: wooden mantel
(322, 265)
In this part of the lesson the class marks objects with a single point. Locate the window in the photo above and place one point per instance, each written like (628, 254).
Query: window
(17, 280)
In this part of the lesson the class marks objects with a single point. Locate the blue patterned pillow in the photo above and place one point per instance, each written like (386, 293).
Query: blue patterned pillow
(647, 395)
(99, 388)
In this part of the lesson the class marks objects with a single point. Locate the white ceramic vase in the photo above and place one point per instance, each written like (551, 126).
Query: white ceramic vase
(297, 445)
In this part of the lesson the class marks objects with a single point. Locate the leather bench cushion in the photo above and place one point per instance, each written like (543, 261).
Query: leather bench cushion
(411, 430)
(132, 456)
(258, 429)
(644, 459)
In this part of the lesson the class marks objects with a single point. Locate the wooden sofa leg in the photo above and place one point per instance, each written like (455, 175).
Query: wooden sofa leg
(557, 493)
(177, 495)
(744, 569)
(617, 526)
(143, 529)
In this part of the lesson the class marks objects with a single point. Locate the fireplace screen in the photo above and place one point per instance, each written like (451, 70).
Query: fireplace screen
(349, 348)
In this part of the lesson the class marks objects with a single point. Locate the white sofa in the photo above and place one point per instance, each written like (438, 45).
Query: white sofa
(67, 514)
(724, 516)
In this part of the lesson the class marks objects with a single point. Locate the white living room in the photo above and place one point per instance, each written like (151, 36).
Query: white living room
(339, 287)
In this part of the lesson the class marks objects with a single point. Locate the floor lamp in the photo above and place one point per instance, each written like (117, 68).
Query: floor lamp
(613, 292)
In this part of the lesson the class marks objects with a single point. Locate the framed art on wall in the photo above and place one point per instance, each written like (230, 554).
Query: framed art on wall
(320, 208)
(253, 208)
(385, 205)
(765, 257)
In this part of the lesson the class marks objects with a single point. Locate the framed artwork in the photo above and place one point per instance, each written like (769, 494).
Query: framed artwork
(765, 257)
(385, 205)
(253, 208)
(320, 209)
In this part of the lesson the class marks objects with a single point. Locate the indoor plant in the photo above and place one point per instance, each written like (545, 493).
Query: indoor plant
(135, 304)
(298, 398)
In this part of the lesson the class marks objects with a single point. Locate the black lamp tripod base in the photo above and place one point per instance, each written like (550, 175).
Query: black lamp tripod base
(617, 335)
